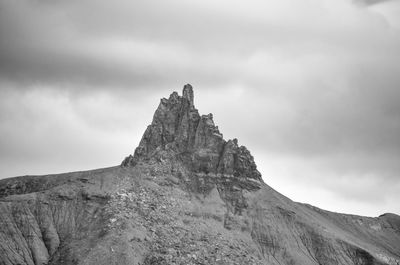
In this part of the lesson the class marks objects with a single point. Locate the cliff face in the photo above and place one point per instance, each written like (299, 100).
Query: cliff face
(179, 132)
(186, 196)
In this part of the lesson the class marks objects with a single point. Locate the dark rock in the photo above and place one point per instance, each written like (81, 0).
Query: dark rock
(178, 129)
(188, 94)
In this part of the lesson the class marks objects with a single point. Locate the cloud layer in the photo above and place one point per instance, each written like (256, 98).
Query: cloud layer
(311, 87)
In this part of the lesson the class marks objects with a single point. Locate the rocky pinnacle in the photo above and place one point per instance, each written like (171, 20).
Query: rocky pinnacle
(178, 131)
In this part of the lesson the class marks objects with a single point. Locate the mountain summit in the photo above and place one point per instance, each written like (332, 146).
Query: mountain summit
(180, 133)
(186, 196)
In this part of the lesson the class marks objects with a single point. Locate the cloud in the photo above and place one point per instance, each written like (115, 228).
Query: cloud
(310, 87)
(371, 2)
(135, 44)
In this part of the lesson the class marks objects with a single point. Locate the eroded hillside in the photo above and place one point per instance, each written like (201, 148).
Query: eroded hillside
(186, 196)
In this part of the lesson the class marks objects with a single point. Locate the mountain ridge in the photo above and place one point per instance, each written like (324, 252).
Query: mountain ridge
(185, 196)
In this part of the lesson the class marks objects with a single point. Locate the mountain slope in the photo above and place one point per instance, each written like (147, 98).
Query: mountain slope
(186, 196)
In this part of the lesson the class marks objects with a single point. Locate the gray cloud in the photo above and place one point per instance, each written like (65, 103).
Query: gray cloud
(371, 2)
(119, 44)
(311, 88)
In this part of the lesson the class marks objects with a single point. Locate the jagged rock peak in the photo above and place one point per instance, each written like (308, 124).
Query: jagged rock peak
(188, 94)
(178, 131)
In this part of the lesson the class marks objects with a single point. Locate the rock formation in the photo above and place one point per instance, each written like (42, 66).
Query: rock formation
(186, 196)
(178, 131)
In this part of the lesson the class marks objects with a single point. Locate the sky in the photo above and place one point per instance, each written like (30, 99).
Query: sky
(311, 87)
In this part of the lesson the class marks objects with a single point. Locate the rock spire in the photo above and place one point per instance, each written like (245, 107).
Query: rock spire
(188, 94)
(180, 131)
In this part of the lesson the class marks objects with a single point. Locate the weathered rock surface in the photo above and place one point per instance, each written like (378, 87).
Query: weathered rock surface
(179, 132)
(186, 196)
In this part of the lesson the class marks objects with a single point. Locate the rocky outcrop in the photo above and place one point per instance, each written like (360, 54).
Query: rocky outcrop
(179, 131)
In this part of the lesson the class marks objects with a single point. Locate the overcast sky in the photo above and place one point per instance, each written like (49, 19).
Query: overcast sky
(311, 87)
